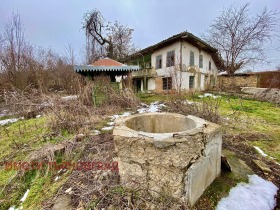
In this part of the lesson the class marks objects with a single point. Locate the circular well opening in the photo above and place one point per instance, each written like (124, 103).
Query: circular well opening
(160, 123)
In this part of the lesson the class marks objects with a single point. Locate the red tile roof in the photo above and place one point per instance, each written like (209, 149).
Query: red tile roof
(107, 62)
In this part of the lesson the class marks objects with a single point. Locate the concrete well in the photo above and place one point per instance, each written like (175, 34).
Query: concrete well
(168, 152)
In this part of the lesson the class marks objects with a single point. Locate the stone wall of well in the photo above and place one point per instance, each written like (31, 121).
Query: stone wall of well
(183, 165)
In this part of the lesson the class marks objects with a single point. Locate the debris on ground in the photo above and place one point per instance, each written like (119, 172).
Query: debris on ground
(271, 95)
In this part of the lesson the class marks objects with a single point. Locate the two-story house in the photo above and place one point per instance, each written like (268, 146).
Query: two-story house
(181, 62)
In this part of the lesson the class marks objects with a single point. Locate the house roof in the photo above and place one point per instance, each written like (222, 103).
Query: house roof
(91, 68)
(105, 65)
(107, 62)
(184, 36)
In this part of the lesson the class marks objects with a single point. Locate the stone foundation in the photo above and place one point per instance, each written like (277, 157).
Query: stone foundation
(177, 154)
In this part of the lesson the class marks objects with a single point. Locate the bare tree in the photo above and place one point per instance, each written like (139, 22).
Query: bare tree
(115, 39)
(239, 37)
(15, 52)
(69, 54)
(176, 73)
(96, 26)
(121, 37)
(93, 50)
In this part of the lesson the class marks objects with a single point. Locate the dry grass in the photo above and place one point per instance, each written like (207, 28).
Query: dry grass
(71, 116)
(101, 189)
(124, 99)
(208, 109)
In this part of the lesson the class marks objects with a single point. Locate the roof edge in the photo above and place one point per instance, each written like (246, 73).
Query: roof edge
(185, 36)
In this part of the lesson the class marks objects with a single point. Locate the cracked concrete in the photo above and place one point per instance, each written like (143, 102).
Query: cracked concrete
(183, 161)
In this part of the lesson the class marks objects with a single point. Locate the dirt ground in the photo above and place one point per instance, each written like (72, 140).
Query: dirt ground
(100, 189)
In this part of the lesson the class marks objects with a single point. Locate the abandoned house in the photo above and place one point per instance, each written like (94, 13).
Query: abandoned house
(181, 62)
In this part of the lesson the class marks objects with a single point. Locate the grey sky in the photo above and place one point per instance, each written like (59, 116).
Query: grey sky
(56, 23)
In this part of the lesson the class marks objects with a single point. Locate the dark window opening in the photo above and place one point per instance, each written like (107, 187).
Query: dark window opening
(191, 58)
(209, 65)
(167, 83)
(200, 61)
(191, 82)
(170, 59)
(158, 62)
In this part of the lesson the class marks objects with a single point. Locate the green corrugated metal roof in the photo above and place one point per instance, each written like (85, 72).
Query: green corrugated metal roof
(90, 68)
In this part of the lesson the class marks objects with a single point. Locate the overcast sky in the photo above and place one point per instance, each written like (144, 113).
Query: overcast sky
(57, 23)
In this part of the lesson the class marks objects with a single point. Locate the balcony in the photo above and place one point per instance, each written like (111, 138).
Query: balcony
(147, 72)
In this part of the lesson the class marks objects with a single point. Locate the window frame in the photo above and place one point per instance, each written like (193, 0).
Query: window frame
(200, 65)
(157, 64)
(191, 58)
(167, 83)
(170, 60)
(191, 84)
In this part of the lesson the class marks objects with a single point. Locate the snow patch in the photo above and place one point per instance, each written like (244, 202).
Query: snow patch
(71, 97)
(107, 128)
(153, 107)
(110, 123)
(57, 178)
(97, 132)
(209, 95)
(114, 117)
(21, 200)
(258, 194)
(260, 151)
(126, 114)
(7, 121)
(24, 196)
(188, 102)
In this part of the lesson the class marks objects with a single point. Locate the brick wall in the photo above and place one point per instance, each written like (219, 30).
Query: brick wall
(158, 88)
(158, 82)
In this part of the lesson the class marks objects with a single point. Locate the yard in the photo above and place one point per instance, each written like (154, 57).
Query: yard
(251, 144)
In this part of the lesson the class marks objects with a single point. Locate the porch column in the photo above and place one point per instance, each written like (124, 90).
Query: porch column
(145, 84)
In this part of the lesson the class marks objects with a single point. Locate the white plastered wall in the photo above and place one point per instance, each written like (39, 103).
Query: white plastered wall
(169, 71)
